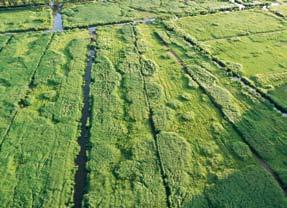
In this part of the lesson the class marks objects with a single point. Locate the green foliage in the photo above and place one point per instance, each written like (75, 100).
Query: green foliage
(154, 91)
(254, 119)
(122, 154)
(148, 67)
(174, 104)
(37, 155)
(25, 19)
(241, 150)
(200, 148)
(228, 191)
(189, 116)
(166, 124)
(24, 103)
(228, 25)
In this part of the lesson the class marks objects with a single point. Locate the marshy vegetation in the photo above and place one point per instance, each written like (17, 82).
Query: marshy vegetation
(164, 104)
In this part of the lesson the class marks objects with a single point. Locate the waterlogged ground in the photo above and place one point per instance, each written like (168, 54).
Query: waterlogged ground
(143, 103)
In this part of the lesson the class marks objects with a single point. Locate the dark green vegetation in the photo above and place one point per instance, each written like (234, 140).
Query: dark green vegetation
(40, 110)
(24, 3)
(167, 104)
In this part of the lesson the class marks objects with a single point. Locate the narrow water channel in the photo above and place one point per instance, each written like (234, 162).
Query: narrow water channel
(57, 17)
(81, 160)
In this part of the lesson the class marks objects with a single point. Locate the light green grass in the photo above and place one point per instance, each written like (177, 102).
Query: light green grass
(262, 58)
(38, 153)
(253, 50)
(260, 55)
(259, 124)
(25, 19)
(281, 9)
(123, 166)
(201, 153)
(229, 24)
(99, 13)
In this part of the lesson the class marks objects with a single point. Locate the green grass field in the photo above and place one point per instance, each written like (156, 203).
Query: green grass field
(255, 51)
(25, 19)
(149, 103)
(39, 124)
(280, 9)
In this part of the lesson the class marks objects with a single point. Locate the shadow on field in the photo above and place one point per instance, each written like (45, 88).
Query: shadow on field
(250, 188)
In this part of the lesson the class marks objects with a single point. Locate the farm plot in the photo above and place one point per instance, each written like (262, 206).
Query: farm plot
(228, 25)
(100, 13)
(262, 58)
(161, 132)
(201, 152)
(123, 166)
(38, 150)
(25, 19)
(253, 50)
(179, 7)
(259, 125)
(19, 58)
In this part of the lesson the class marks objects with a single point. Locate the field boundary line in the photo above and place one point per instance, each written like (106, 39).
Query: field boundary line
(25, 94)
(192, 42)
(32, 80)
(244, 35)
(6, 43)
(260, 161)
(155, 132)
(8, 129)
(139, 20)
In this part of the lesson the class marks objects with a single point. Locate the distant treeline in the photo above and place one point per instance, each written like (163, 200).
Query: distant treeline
(8, 3)
(22, 2)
